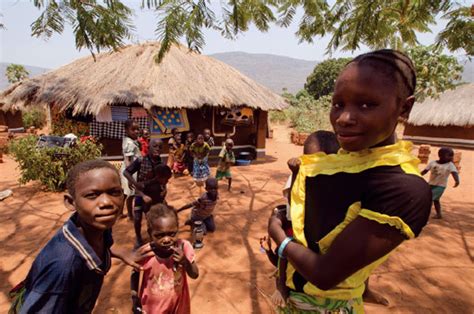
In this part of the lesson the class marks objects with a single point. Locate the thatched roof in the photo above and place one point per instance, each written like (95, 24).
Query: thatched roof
(453, 107)
(184, 79)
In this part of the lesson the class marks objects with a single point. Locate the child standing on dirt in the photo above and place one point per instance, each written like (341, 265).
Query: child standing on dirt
(200, 150)
(203, 207)
(150, 185)
(172, 147)
(179, 166)
(130, 151)
(439, 172)
(351, 209)
(188, 154)
(164, 288)
(226, 160)
(67, 274)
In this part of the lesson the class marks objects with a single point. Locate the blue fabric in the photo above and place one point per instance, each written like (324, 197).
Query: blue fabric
(67, 275)
(120, 113)
(437, 191)
(201, 170)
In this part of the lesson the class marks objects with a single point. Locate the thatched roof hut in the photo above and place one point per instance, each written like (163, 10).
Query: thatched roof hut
(183, 80)
(198, 84)
(447, 120)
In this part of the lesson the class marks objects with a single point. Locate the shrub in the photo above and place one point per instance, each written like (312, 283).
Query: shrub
(35, 117)
(49, 165)
(277, 116)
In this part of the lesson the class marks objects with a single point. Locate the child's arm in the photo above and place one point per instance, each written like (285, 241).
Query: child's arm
(456, 178)
(179, 257)
(132, 258)
(272, 257)
(130, 170)
(428, 168)
(362, 242)
(187, 206)
(425, 171)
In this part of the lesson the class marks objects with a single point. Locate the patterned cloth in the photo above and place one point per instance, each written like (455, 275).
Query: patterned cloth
(226, 158)
(300, 303)
(139, 112)
(201, 170)
(113, 129)
(164, 120)
(120, 113)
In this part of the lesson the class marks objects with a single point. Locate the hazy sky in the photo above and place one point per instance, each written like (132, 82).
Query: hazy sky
(17, 45)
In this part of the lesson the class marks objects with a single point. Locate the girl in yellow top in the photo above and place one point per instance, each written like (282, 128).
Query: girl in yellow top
(350, 210)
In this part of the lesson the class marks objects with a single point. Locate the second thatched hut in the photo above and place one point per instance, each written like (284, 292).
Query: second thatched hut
(447, 120)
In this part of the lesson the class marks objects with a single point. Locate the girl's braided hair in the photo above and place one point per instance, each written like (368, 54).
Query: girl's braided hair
(393, 63)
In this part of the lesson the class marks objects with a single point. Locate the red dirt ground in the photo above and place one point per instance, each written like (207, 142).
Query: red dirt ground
(433, 273)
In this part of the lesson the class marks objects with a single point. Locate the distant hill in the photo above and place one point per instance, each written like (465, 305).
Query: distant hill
(34, 71)
(272, 71)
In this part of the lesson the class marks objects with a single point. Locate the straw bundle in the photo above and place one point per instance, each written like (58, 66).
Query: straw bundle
(184, 79)
(453, 107)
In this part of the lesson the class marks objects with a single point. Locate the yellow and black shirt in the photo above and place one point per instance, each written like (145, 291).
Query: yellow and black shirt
(382, 184)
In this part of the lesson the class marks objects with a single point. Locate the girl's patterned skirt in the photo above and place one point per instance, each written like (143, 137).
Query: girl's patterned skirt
(201, 170)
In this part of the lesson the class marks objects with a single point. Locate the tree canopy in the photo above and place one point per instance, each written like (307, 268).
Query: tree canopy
(99, 24)
(16, 73)
(435, 72)
(321, 81)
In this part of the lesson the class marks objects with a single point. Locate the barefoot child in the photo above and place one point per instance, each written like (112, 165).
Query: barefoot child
(188, 154)
(67, 274)
(179, 166)
(172, 147)
(203, 207)
(164, 288)
(150, 185)
(226, 160)
(351, 209)
(439, 173)
(200, 150)
(130, 151)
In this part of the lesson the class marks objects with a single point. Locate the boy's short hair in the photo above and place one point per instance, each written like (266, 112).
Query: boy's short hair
(229, 141)
(128, 124)
(160, 210)
(174, 131)
(163, 170)
(321, 141)
(445, 150)
(211, 181)
(84, 167)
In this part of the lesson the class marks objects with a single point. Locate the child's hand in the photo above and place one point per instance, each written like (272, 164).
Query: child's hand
(133, 258)
(266, 243)
(294, 164)
(147, 199)
(178, 255)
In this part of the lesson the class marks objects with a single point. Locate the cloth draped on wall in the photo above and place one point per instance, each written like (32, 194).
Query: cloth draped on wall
(163, 120)
(109, 123)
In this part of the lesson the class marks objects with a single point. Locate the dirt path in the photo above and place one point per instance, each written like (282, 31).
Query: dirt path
(432, 273)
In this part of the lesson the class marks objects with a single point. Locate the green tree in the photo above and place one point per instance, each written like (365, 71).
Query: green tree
(435, 71)
(377, 23)
(16, 73)
(321, 81)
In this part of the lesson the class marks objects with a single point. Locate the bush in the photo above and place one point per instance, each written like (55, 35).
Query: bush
(277, 116)
(49, 165)
(35, 117)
